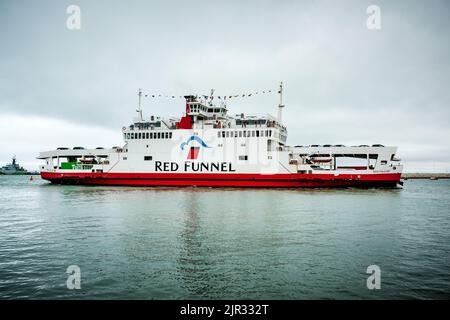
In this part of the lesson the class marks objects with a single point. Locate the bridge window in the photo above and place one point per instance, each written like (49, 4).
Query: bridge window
(243, 157)
(240, 134)
(170, 135)
(148, 158)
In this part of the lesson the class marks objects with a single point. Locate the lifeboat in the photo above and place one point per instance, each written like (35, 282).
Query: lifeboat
(321, 160)
(86, 160)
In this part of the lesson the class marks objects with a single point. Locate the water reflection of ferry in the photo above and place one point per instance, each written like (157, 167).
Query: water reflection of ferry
(208, 147)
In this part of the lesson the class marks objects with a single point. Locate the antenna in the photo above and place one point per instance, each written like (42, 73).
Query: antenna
(211, 97)
(139, 110)
(280, 106)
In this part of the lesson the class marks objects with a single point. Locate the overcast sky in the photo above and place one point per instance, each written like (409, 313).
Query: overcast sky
(343, 82)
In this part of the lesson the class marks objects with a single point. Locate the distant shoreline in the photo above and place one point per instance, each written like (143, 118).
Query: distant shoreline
(432, 176)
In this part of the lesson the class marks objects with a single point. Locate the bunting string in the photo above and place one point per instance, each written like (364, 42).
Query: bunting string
(211, 97)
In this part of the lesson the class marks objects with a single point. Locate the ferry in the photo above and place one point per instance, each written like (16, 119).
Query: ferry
(208, 147)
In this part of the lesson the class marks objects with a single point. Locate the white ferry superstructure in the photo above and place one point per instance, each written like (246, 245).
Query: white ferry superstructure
(207, 147)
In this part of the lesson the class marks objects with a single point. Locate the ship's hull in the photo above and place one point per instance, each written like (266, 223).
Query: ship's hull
(226, 180)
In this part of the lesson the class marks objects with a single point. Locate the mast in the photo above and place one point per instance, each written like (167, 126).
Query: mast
(211, 97)
(280, 106)
(139, 110)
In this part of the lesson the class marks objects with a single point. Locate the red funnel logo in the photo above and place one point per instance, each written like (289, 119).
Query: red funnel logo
(193, 153)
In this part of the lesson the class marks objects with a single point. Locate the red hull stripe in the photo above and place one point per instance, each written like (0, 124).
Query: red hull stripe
(226, 180)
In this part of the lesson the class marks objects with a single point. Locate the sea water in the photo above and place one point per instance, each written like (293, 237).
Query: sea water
(206, 243)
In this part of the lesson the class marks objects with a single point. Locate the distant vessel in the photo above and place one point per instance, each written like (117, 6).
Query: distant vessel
(13, 168)
(208, 147)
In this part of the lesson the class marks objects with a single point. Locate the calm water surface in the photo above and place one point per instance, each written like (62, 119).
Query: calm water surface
(199, 243)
